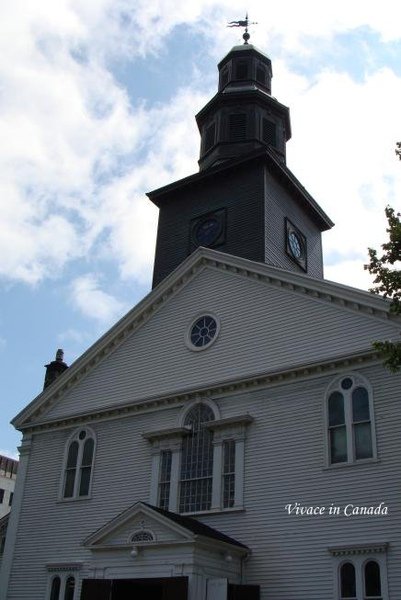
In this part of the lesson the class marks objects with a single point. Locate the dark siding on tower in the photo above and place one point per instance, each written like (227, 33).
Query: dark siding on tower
(239, 190)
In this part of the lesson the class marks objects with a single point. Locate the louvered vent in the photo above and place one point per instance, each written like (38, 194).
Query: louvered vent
(241, 70)
(224, 78)
(261, 75)
(209, 136)
(237, 127)
(269, 133)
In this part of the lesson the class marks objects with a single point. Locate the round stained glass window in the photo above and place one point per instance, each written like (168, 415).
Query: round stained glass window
(203, 332)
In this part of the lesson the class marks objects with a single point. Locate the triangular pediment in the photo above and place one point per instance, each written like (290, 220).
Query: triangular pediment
(272, 322)
(146, 525)
(136, 520)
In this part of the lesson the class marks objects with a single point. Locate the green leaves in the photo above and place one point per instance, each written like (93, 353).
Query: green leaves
(388, 279)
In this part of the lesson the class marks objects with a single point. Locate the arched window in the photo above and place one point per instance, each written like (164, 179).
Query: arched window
(69, 588)
(372, 580)
(199, 465)
(350, 420)
(347, 581)
(197, 461)
(62, 587)
(360, 572)
(142, 536)
(55, 588)
(79, 464)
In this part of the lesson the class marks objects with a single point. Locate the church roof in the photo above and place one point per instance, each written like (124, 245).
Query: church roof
(196, 526)
(181, 524)
(242, 48)
(268, 155)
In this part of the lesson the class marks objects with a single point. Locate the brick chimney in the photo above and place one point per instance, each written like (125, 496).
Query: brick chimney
(55, 368)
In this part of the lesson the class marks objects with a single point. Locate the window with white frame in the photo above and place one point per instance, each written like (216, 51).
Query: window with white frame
(164, 479)
(361, 572)
(350, 422)
(199, 465)
(78, 464)
(63, 582)
(197, 461)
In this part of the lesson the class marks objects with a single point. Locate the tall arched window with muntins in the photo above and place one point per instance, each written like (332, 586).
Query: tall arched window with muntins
(350, 420)
(347, 581)
(197, 461)
(79, 464)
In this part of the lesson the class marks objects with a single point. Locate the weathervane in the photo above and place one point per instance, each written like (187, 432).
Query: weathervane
(245, 24)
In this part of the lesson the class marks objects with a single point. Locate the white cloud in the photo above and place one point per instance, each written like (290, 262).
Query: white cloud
(93, 302)
(343, 152)
(9, 453)
(68, 124)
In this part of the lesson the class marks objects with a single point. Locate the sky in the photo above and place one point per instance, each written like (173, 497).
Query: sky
(97, 105)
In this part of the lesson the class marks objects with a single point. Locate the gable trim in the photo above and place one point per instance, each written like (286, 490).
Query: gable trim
(188, 529)
(95, 538)
(328, 292)
(298, 372)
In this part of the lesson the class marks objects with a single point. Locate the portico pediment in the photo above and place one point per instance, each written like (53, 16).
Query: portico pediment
(143, 525)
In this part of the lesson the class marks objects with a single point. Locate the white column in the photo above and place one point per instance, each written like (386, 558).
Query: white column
(239, 472)
(13, 522)
(217, 473)
(154, 478)
(175, 478)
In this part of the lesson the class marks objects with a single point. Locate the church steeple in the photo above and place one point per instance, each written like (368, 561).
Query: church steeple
(244, 201)
(243, 115)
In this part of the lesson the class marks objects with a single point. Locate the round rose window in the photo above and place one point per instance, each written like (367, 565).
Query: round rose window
(203, 331)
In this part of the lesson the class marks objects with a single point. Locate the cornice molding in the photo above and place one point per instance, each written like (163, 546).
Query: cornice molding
(59, 567)
(320, 290)
(375, 547)
(242, 385)
(229, 422)
(163, 434)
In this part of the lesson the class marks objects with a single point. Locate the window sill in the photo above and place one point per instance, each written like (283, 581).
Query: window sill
(78, 499)
(213, 511)
(366, 461)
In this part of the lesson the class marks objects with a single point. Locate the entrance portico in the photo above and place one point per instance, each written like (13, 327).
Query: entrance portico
(147, 552)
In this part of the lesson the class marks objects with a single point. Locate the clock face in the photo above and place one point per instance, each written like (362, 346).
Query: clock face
(207, 231)
(295, 244)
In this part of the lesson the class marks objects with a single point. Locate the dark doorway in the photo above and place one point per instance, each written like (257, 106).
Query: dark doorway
(243, 592)
(165, 588)
(131, 589)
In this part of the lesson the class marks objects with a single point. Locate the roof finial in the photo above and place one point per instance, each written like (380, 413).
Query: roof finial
(245, 24)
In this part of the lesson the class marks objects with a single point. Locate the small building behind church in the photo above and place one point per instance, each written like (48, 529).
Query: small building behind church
(234, 436)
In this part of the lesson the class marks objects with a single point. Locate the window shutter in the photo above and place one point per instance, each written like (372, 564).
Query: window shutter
(261, 75)
(269, 134)
(224, 78)
(209, 136)
(237, 127)
(241, 70)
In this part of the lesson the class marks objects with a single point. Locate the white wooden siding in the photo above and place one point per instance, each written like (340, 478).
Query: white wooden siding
(284, 462)
(263, 329)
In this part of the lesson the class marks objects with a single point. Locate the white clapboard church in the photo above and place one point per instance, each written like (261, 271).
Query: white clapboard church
(234, 436)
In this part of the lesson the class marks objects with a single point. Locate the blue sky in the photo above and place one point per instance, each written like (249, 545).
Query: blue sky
(97, 107)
